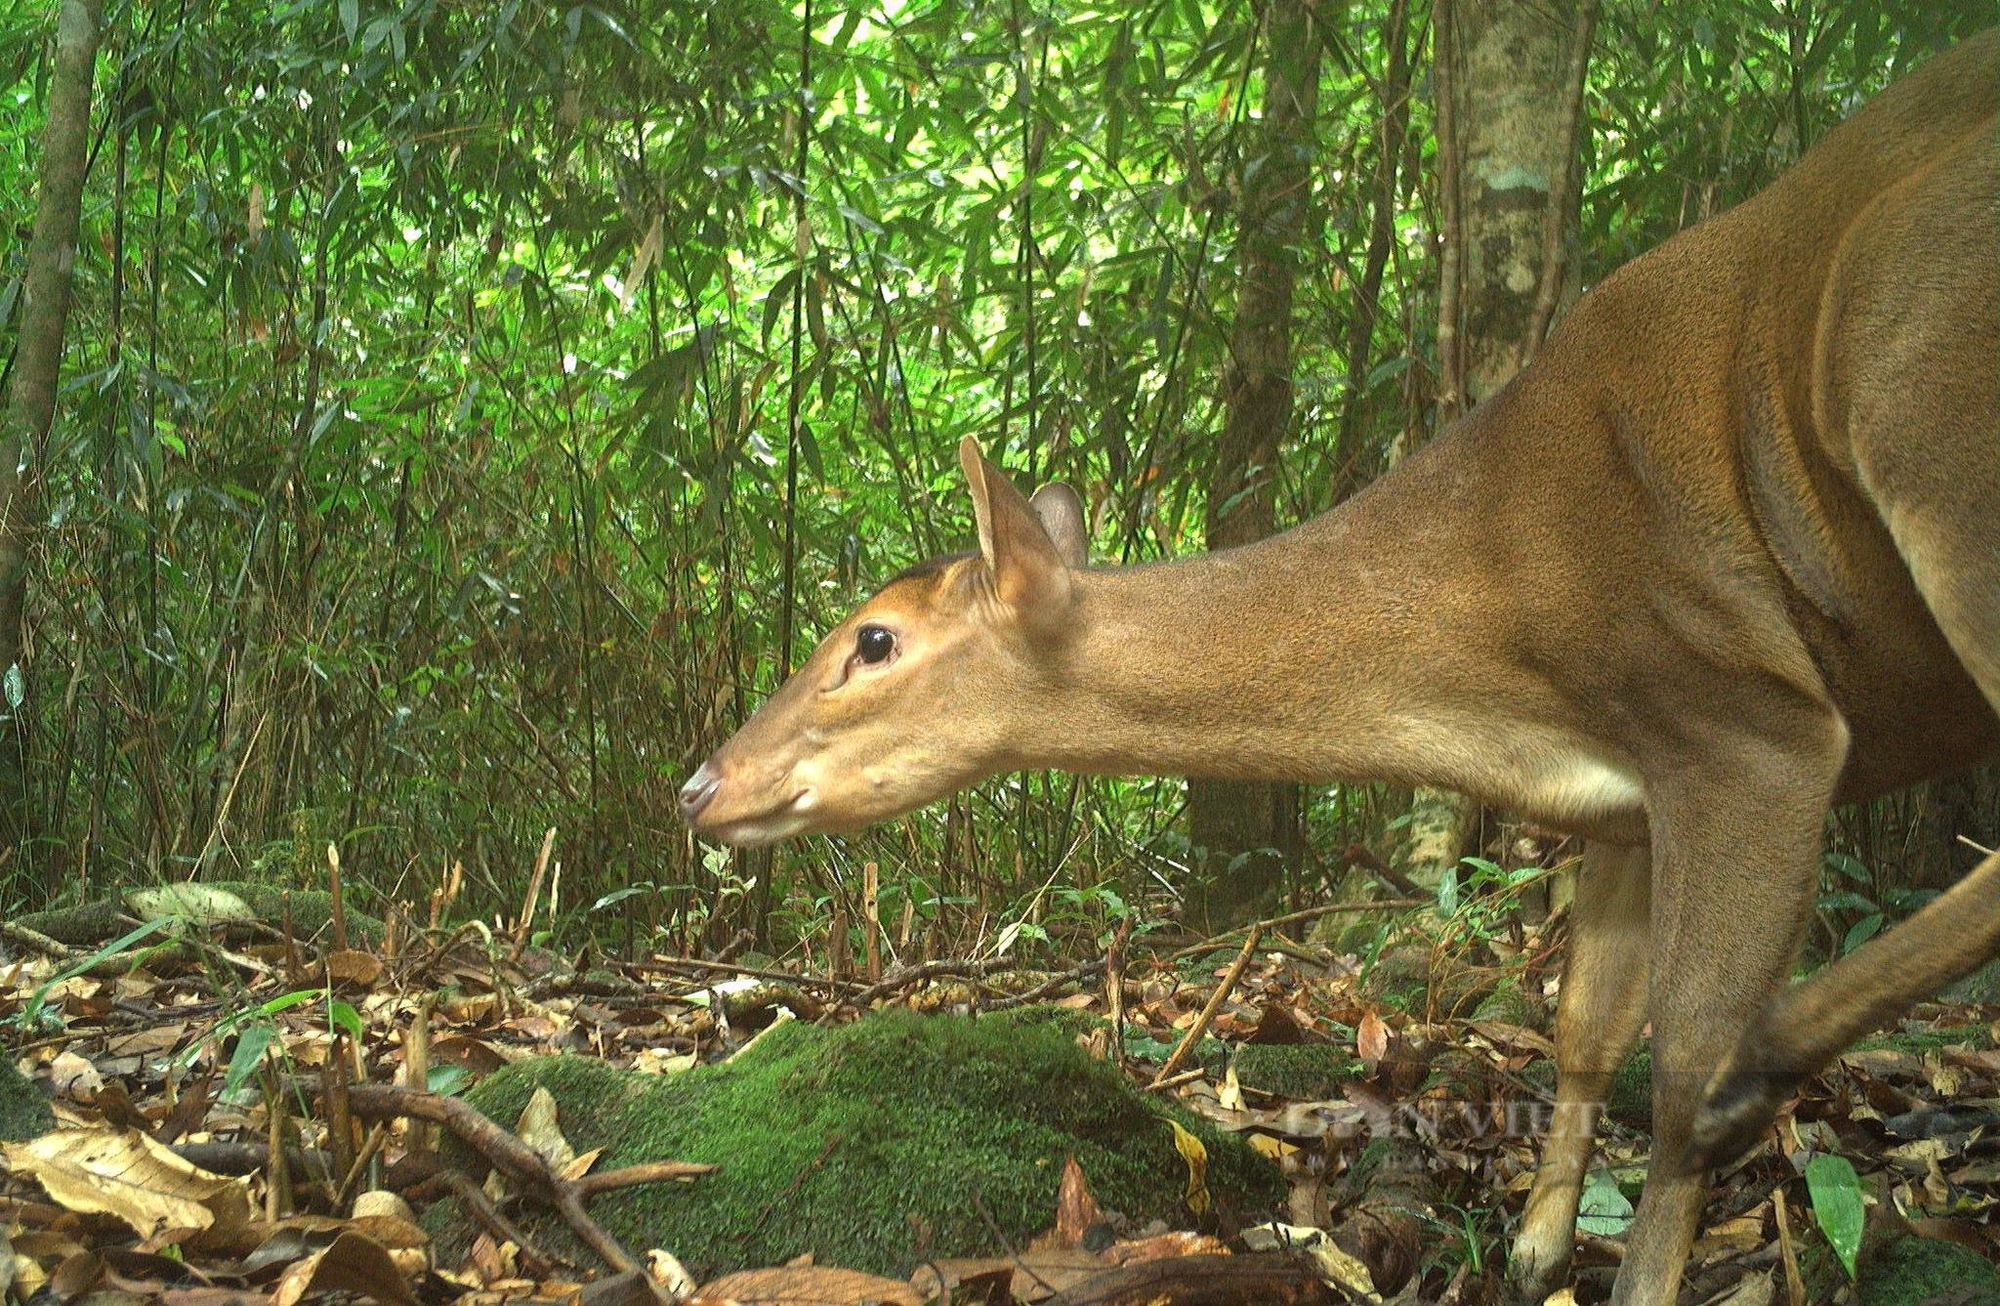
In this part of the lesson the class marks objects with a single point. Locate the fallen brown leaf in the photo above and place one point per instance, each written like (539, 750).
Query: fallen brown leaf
(126, 1174)
(353, 1263)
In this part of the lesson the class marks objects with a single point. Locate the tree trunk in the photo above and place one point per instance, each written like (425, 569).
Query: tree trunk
(1243, 833)
(1509, 84)
(31, 400)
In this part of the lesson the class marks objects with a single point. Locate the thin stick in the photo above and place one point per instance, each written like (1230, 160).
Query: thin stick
(1451, 363)
(1060, 980)
(369, 1147)
(534, 888)
(333, 890)
(1185, 1077)
(1209, 1012)
(277, 1175)
(417, 1070)
(1795, 1285)
(1114, 990)
(1213, 942)
(506, 1152)
(871, 913)
(484, 1213)
(631, 1176)
(731, 968)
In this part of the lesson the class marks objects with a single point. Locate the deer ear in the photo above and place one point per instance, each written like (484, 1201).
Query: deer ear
(1061, 514)
(1030, 573)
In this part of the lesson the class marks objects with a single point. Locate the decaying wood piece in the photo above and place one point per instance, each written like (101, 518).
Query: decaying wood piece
(1383, 1226)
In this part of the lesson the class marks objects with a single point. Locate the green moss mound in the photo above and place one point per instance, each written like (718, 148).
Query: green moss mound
(873, 1145)
(1303, 1072)
(1630, 1101)
(1911, 1271)
(24, 1112)
(1919, 1041)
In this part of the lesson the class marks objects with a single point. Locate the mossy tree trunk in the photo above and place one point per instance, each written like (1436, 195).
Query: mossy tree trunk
(1245, 833)
(31, 398)
(1509, 84)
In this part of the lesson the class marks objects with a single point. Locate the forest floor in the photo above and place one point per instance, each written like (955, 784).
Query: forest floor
(221, 1112)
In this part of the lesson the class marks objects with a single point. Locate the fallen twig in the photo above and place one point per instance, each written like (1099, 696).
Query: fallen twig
(1293, 918)
(1059, 980)
(489, 1217)
(509, 1153)
(731, 968)
(631, 1176)
(1208, 1012)
(39, 941)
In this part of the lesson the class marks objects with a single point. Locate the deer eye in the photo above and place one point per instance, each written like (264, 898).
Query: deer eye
(874, 644)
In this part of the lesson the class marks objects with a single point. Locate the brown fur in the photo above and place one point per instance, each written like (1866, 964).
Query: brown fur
(1728, 552)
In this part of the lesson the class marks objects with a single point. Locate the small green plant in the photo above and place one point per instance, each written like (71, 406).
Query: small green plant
(30, 1017)
(1867, 909)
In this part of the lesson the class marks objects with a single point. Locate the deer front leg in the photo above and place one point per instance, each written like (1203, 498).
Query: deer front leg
(1598, 1015)
(1811, 1023)
(1735, 864)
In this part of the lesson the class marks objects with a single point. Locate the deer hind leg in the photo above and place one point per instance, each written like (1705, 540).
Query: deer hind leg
(1735, 864)
(1913, 353)
(1598, 1016)
(1948, 529)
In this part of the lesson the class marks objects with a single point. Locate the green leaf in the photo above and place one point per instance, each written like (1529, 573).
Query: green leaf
(1864, 929)
(31, 1010)
(1836, 1200)
(249, 1054)
(1447, 893)
(342, 1016)
(350, 18)
(1603, 1210)
(448, 1081)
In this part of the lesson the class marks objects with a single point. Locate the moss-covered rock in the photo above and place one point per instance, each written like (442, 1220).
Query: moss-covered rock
(873, 1145)
(1919, 1041)
(24, 1112)
(1630, 1101)
(1304, 1072)
(1981, 986)
(1912, 1271)
(312, 911)
(1513, 1005)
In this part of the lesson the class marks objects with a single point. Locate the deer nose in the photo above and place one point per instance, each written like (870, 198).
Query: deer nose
(698, 792)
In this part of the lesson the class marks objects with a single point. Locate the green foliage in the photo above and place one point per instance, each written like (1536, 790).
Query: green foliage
(877, 1143)
(1837, 1204)
(421, 475)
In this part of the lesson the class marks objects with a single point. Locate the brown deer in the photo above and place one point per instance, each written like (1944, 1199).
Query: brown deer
(1726, 554)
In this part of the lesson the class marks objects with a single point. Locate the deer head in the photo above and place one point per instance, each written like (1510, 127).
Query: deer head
(918, 693)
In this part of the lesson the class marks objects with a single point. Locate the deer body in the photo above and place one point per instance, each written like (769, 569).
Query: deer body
(1726, 553)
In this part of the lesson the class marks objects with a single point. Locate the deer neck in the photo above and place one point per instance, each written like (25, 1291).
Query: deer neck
(1368, 644)
(1296, 657)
